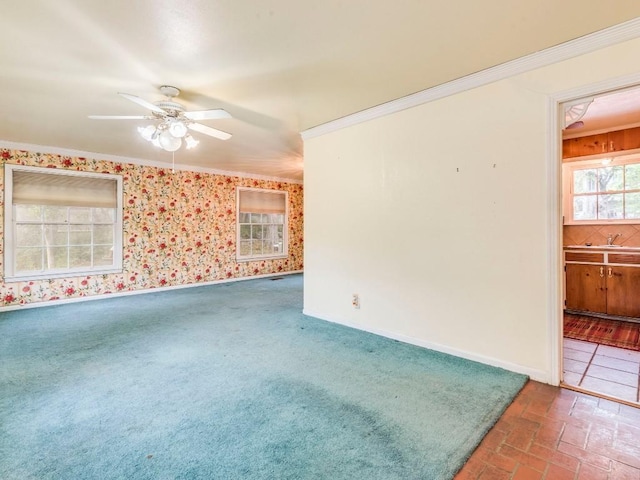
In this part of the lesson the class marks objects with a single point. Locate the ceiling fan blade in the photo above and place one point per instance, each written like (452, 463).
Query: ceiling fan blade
(119, 117)
(212, 132)
(144, 103)
(214, 114)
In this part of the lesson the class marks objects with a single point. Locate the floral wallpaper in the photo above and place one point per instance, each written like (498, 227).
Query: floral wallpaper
(178, 228)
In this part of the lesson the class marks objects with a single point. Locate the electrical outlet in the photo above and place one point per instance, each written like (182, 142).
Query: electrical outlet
(355, 300)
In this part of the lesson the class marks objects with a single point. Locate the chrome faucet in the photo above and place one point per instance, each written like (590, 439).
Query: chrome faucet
(612, 238)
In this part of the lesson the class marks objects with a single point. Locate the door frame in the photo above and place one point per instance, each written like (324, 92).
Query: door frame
(553, 162)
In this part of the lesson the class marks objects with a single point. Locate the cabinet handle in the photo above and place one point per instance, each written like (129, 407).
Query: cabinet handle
(604, 147)
(601, 271)
(611, 146)
(609, 272)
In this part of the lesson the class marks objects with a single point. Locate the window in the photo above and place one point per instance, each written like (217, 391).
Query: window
(262, 224)
(60, 223)
(605, 193)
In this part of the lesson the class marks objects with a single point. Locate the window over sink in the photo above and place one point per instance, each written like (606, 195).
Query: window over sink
(597, 193)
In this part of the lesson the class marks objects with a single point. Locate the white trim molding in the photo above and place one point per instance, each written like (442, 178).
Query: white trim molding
(554, 212)
(555, 291)
(604, 38)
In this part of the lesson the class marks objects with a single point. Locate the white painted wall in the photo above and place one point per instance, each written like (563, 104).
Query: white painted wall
(438, 218)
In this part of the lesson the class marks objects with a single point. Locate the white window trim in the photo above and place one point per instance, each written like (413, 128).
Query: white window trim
(567, 187)
(285, 235)
(9, 233)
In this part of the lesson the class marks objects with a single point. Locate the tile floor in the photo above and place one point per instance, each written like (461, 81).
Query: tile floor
(552, 433)
(599, 368)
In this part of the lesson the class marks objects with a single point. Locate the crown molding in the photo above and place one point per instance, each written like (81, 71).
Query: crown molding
(66, 152)
(594, 41)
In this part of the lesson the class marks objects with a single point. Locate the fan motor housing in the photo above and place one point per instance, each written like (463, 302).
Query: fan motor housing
(170, 107)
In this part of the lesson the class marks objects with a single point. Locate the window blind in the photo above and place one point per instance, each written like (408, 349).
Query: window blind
(35, 188)
(253, 201)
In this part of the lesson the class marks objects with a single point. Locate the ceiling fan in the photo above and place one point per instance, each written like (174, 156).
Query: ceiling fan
(172, 121)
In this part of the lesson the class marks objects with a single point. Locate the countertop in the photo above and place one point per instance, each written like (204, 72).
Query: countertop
(603, 248)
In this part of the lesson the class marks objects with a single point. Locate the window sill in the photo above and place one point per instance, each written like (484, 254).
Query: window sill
(68, 274)
(261, 257)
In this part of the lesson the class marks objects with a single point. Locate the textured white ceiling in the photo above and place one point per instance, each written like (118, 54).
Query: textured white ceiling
(278, 66)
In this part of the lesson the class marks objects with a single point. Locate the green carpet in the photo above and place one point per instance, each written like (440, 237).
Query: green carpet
(231, 382)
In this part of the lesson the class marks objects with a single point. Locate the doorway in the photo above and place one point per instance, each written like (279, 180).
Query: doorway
(601, 244)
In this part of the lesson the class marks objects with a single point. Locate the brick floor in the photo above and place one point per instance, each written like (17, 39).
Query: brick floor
(557, 434)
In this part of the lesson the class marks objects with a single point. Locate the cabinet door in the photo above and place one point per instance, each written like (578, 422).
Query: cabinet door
(589, 145)
(623, 291)
(586, 288)
(620, 140)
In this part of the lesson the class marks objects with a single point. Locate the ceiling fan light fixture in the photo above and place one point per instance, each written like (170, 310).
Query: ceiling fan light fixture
(172, 122)
(191, 142)
(169, 142)
(177, 128)
(147, 132)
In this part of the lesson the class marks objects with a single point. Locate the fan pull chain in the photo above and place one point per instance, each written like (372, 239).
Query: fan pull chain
(173, 162)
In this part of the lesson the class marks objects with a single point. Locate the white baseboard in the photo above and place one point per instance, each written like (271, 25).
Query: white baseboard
(140, 292)
(534, 374)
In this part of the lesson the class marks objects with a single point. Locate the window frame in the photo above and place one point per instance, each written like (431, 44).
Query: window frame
(10, 241)
(285, 227)
(568, 170)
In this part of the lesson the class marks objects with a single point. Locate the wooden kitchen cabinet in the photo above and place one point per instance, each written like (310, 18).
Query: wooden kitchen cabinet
(583, 146)
(586, 289)
(623, 286)
(621, 140)
(611, 142)
(610, 289)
